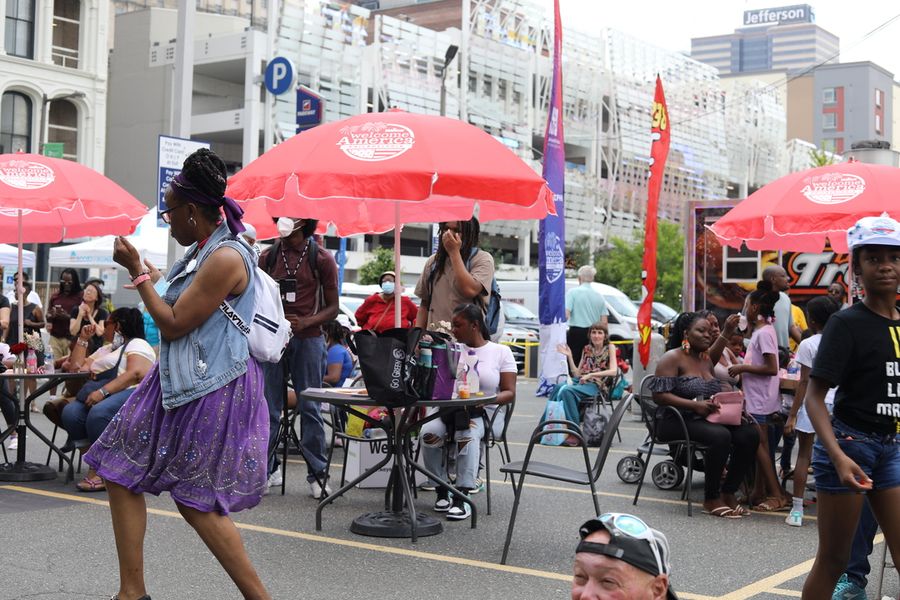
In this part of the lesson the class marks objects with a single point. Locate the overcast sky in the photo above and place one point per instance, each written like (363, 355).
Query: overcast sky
(671, 24)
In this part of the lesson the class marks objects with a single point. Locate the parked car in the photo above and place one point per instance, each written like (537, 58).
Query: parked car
(518, 339)
(661, 312)
(347, 311)
(516, 315)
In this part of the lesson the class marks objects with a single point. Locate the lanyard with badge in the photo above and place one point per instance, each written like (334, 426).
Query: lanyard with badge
(288, 286)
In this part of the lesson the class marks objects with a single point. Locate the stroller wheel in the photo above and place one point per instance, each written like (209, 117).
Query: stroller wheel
(667, 475)
(630, 469)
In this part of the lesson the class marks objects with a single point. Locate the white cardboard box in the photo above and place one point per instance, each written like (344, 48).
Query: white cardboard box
(363, 455)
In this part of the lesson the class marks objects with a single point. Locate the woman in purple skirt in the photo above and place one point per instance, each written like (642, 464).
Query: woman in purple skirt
(197, 426)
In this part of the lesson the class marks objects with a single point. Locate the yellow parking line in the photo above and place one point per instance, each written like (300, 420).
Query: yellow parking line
(784, 592)
(771, 583)
(739, 594)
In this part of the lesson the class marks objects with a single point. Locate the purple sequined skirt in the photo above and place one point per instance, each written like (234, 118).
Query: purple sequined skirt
(209, 454)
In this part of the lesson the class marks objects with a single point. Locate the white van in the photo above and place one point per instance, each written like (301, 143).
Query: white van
(622, 312)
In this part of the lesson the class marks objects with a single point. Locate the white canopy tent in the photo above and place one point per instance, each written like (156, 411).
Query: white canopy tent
(151, 241)
(9, 256)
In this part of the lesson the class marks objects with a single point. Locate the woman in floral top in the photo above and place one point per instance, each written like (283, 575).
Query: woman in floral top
(598, 360)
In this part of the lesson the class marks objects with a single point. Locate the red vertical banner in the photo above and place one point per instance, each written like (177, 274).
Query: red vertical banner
(659, 151)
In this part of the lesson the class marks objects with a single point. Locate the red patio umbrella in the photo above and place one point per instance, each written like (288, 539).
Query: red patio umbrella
(376, 171)
(46, 199)
(800, 211)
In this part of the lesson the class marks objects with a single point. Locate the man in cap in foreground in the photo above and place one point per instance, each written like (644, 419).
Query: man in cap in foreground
(621, 558)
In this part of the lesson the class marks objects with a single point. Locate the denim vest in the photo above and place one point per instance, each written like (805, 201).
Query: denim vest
(216, 352)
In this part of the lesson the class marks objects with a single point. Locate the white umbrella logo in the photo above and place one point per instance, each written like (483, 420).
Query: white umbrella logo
(26, 175)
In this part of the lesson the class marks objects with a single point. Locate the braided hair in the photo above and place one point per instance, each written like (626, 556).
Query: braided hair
(207, 172)
(469, 232)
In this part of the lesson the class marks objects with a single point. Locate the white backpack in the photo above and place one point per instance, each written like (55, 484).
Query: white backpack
(269, 332)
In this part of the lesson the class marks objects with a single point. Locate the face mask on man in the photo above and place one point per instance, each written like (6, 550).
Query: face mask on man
(286, 226)
(387, 287)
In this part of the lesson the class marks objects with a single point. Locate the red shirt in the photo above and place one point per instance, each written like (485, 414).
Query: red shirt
(377, 314)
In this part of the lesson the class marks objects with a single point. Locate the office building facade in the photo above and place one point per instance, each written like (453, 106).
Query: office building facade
(784, 38)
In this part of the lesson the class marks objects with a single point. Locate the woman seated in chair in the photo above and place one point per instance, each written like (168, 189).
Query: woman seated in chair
(339, 362)
(497, 372)
(116, 368)
(598, 361)
(685, 380)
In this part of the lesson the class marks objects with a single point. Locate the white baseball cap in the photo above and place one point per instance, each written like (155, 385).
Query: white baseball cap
(874, 231)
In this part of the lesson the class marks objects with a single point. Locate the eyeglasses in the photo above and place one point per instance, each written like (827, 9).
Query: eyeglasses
(633, 527)
(164, 214)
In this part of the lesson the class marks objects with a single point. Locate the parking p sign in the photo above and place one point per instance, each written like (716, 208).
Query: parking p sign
(280, 75)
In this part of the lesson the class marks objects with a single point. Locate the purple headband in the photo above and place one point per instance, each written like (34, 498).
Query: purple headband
(189, 193)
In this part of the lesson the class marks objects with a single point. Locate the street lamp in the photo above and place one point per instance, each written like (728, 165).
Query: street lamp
(448, 58)
(45, 108)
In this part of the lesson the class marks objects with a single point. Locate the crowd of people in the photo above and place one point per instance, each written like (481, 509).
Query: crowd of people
(174, 401)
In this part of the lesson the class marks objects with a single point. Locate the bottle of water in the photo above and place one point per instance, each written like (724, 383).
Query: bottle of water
(49, 368)
(472, 372)
(793, 370)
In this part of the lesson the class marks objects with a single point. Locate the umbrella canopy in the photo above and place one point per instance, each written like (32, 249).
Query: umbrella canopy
(61, 199)
(374, 171)
(801, 211)
(45, 199)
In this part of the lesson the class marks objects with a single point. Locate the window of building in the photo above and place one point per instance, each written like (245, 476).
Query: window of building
(829, 120)
(829, 96)
(62, 126)
(879, 98)
(66, 26)
(878, 124)
(15, 123)
(835, 145)
(740, 265)
(19, 40)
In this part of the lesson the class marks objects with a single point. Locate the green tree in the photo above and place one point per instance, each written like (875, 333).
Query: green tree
(620, 266)
(578, 253)
(820, 158)
(372, 269)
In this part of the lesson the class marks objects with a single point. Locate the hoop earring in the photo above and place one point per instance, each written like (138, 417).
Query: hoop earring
(686, 346)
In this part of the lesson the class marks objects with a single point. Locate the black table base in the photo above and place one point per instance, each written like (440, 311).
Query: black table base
(26, 471)
(390, 524)
(21, 470)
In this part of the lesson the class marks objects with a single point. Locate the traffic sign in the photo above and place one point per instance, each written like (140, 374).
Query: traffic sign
(280, 75)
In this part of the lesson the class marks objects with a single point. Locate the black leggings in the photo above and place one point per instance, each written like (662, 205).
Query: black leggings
(7, 404)
(740, 441)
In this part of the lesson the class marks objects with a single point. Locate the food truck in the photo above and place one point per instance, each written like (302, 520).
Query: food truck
(719, 278)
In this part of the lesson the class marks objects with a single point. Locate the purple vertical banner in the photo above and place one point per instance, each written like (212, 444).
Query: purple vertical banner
(552, 231)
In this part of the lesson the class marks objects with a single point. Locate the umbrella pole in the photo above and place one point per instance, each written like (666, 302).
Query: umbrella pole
(397, 269)
(19, 289)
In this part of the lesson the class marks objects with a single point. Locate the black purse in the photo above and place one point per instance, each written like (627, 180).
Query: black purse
(98, 380)
(389, 366)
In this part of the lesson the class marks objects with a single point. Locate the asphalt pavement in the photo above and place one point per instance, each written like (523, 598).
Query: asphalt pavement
(58, 543)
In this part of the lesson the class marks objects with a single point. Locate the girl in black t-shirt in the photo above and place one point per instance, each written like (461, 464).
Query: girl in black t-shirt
(858, 451)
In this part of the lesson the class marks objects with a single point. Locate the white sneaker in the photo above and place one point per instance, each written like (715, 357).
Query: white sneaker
(12, 443)
(276, 478)
(794, 518)
(316, 491)
(442, 505)
(459, 512)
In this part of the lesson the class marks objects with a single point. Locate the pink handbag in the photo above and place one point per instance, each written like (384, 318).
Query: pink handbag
(731, 405)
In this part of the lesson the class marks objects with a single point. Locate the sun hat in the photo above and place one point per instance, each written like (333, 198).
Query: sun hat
(631, 541)
(385, 274)
(874, 231)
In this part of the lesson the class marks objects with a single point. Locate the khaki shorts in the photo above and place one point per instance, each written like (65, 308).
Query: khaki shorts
(60, 347)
